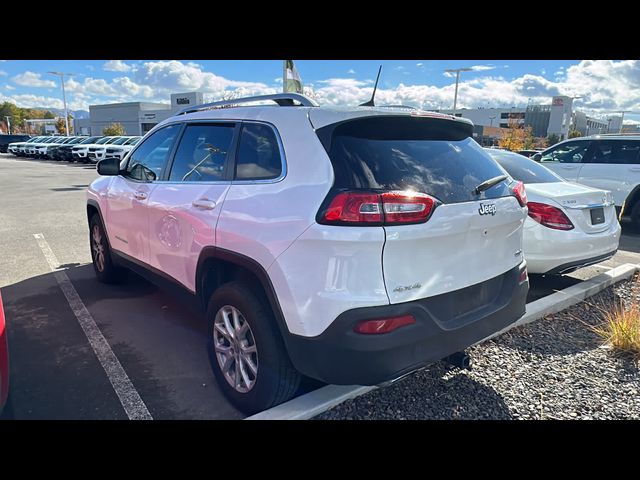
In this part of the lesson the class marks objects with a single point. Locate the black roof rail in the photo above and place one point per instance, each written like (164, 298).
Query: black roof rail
(282, 99)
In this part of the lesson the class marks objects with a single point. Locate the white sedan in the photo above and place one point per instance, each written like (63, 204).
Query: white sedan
(569, 226)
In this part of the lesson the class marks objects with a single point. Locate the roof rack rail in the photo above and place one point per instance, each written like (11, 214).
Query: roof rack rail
(282, 99)
(622, 134)
(407, 107)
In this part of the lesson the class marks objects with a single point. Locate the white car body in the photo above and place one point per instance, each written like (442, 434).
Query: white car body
(316, 273)
(32, 148)
(608, 162)
(555, 251)
(120, 151)
(17, 148)
(97, 153)
(81, 152)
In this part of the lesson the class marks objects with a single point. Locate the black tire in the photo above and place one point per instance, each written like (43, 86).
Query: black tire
(276, 380)
(106, 270)
(635, 215)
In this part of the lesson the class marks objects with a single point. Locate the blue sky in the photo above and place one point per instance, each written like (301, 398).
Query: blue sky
(605, 86)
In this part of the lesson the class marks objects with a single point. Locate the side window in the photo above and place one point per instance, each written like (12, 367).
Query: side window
(202, 153)
(573, 152)
(616, 152)
(146, 162)
(258, 153)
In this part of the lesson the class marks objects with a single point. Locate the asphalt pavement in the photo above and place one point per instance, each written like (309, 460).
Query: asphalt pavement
(55, 372)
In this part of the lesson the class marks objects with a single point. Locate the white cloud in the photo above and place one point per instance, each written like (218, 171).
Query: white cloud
(9, 87)
(32, 79)
(116, 66)
(605, 86)
(351, 71)
(419, 64)
(482, 68)
(3, 73)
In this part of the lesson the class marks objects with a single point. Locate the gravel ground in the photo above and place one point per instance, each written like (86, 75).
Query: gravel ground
(555, 368)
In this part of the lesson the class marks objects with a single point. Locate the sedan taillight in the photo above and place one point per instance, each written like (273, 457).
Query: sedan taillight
(520, 194)
(370, 208)
(549, 216)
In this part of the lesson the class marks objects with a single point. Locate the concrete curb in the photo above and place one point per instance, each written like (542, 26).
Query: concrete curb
(314, 403)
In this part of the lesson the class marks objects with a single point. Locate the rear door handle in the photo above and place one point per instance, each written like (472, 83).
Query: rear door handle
(569, 167)
(204, 204)
(634, 169)
(140, 195)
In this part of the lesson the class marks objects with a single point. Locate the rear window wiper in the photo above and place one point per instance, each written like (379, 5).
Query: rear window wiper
(487, 184)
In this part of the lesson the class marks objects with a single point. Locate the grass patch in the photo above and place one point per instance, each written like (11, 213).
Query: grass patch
(621, 324)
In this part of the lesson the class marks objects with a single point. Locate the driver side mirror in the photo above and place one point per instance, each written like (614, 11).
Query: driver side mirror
(537, 157)
(109, 166)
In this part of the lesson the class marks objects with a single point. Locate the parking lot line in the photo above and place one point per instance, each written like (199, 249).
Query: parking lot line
(130, 399)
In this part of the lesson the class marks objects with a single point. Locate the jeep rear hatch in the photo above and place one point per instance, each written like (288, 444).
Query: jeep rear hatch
(418, 178)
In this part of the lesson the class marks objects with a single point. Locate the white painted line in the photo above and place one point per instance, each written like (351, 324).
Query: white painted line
(128, 395)
(319, 401)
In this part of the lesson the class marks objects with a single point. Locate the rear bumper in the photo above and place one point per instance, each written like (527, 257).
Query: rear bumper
(551, 251)
(341, 356)
(571, 266)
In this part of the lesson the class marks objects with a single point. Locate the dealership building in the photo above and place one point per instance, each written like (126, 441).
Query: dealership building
(557, 118)
(137, 118)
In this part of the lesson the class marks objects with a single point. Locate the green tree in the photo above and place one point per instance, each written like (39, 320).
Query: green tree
(552, 139)
(113, 129)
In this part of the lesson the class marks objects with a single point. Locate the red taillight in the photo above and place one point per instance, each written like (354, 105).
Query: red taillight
(523, 275)
(549, 216)
(520, 193)
(354, 207)
(388, 208)
(383, 325)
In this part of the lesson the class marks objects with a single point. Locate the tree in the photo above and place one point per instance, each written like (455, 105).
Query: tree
(518, 137)
(574, 134)
(113, 129)
(61, 126)
(552, 139)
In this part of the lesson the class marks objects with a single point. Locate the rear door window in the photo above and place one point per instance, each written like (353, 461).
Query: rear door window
(428, 155)
(202, 153)
(615, 152)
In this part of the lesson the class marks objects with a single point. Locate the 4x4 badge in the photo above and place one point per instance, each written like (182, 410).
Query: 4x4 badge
(487, 209)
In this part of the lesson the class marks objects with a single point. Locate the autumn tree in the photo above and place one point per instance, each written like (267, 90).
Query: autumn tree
(574, 134)
(115, 129)
(518, 137)
(61, 127)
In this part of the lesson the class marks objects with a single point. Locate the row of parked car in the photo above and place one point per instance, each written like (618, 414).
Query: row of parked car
(74, 148)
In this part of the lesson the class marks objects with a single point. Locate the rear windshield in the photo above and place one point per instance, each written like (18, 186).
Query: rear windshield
(120, 141)
(524, 169)
(428, 155)
(90, 140)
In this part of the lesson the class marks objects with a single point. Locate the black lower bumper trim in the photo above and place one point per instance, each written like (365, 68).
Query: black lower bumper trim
(572, 266)
(341, 356)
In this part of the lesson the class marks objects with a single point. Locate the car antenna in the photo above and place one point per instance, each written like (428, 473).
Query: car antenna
(373, 95)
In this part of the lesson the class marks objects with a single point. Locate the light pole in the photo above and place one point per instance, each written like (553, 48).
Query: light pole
(457, 72)
(492, 119)
(64, 98)
(8, 124)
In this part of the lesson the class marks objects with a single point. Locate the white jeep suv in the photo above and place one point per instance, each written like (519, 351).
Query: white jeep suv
(350, 245)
